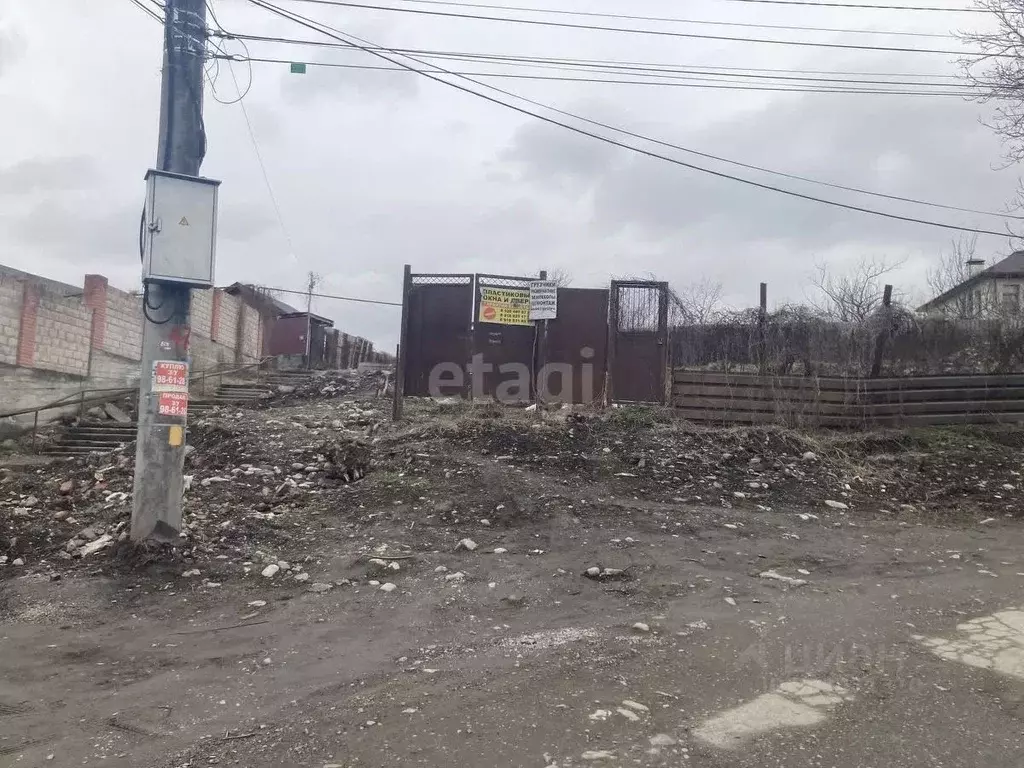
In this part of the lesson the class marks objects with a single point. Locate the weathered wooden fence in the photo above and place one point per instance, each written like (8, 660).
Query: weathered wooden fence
(848, 402)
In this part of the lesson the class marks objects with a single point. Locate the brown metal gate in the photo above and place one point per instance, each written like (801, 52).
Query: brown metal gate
(440, 309)
(578, 341)
(638, 341)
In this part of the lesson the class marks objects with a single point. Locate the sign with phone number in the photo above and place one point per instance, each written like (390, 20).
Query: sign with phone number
(170, 376)
(172, 404)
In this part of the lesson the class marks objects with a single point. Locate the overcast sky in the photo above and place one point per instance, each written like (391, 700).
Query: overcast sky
(376, 169)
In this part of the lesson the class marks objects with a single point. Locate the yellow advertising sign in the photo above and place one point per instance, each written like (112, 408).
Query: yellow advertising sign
(505, 306)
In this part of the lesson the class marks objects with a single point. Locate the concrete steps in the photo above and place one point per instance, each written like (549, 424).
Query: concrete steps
(92, 437)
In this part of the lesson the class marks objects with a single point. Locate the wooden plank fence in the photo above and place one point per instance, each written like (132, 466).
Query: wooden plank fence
(726, 398)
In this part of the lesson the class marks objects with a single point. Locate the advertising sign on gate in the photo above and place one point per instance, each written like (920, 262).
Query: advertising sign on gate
(504, 306)
(543, 300)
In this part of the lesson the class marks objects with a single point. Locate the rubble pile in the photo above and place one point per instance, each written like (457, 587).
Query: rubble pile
(329, 385)
(250, 482)
(262, 486)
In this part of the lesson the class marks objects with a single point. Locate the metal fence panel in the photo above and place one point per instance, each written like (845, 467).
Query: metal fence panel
(440, 308)
(578, 337)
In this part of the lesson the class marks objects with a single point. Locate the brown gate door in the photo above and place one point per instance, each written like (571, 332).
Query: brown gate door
(638, 346)
(578, 341)
(440, 311)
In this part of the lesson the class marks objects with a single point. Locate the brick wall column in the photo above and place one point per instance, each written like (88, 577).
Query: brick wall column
(27, 326)
(96, 299)
(215, 316)
(240, 334)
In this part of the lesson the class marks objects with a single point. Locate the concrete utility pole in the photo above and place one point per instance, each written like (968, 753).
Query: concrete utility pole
(312, 281)
(160, 456)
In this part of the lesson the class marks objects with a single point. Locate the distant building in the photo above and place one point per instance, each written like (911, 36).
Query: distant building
(288, 330)
(991, 292)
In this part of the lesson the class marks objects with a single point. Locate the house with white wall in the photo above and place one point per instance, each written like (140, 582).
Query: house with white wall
(990, 292)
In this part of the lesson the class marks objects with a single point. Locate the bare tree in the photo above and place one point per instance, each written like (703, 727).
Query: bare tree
(952, 270)
(997, 71)
(698, 303)
(560, 277)
(853, 296)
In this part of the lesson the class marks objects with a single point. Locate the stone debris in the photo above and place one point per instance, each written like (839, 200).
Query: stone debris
(776, 576)
(320, 587)
(467, 544)
(731, 601)
(388, 587)
(662, 740)
(603, 574)
(597, 754)
(257, 603)
(600, 715)
(499, 550)
(456, 577)
(270, 571)
(831, 503)
(104, 541)
(641, 627)
(628, 714)
(635, 706)
(190, 573)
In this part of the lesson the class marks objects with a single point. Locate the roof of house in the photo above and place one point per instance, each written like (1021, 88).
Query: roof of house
(281, 308)
(1010, 267)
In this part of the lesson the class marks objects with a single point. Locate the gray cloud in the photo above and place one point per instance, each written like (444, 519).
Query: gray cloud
(48, 174)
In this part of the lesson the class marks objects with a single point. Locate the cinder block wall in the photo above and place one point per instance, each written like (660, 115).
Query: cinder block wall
(63, 329)
(11, 292)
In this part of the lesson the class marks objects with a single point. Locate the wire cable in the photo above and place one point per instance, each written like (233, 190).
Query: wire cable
(680, 82)
(329, 296)
(862, 6)
(332, 32)
(605, 63)
(148, 11)
(655, 32)
(718, 158)
(674, 20)
(263, 167)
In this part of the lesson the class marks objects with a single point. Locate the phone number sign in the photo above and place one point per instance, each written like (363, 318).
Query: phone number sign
(172, 404)
(170, 376)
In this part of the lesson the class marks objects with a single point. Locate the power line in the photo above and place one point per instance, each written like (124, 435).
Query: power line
(813, 3)
(655, 32)
(263, 167)
(737, 163)
(577, 65)
(672, 19)
(572, 62)
(719, 84)
(323, 29)
(329, 296)
(148, 11)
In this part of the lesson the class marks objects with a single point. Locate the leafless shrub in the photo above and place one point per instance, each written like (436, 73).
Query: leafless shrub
(854, 295)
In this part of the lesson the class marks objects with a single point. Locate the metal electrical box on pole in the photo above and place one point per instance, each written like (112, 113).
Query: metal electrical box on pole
(181, 229)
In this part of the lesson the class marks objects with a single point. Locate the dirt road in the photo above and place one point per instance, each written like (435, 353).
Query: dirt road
(510, 654)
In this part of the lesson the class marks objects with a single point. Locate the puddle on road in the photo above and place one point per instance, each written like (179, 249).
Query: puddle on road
(993, 642)
(796, 704)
